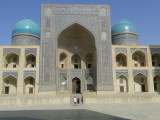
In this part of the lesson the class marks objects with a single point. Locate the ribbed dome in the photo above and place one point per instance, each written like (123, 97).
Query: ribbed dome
(124, 26)
(26, 26)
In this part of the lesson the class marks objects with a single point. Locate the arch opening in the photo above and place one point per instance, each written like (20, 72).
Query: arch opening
(29, 85)
(121, 60)
(30, 61)
(11, 60)
(156, 82)
(76, 86)
(122, 84)
(10, 85)
(140, 83)
(139, 59)
(76, 40)
(155, 60)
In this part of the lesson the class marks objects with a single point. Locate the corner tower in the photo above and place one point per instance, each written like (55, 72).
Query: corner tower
(124, 33)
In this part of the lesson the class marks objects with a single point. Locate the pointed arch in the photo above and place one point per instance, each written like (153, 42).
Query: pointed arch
(63, 60)
(76, 22)
(155, 60)
(139, 59)
(29, 85)
(30, 60)
(140, 83)
(10, 84)
(122, 83)
(121, 60)
(11, 60)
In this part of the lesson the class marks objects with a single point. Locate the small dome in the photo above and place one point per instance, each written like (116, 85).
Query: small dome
(124, 26)
(26, 26)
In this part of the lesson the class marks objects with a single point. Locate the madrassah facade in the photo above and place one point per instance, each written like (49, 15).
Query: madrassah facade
(76, 52)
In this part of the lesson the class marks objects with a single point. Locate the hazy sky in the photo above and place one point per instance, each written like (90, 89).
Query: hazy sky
(145, 14)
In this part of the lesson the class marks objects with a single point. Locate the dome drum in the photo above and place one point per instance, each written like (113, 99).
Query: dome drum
(25, 39)
(125, 39)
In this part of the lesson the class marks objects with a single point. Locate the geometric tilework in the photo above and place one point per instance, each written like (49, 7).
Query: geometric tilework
(155, 72)
(9, 50)
(63, 73)
(121, 50)
(76, 74)
(155, 50)
(29, 73)
(30, 51)
(122, 72)
(89, 72)
(15, 74)
(144, 72)
(141, 49)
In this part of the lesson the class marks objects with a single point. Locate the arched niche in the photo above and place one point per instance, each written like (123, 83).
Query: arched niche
(29, 85)
(63, 60)
(121, 60)
(156, 60)
(89, 61)
(12, 60)
(76, 40)
(122, 84)
(10, 85)
(139, 59)
(156, 82)
(30, 61)
(140, 83)
(76, 62)
(63, 83)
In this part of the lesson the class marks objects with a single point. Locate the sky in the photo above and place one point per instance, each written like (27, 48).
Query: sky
(144, 14)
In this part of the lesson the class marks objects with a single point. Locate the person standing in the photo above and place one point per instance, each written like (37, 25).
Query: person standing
(75, 100)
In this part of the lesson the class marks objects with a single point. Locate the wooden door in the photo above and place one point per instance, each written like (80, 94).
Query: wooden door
(30, 90)
(121, 88)
(74, 86)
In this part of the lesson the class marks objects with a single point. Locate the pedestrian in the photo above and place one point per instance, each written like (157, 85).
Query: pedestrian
(75, 100)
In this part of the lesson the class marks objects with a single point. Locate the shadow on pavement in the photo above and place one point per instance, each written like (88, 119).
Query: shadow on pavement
(77, 114)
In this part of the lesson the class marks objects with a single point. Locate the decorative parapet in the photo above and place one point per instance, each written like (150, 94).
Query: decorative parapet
(15, 74)
(29, 73)
(121, 50)
(9, 50)
(144, 72)
(121, 72)
(30, 51)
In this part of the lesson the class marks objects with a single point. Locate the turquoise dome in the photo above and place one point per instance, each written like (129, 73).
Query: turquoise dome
(26, 26)
(123, 26)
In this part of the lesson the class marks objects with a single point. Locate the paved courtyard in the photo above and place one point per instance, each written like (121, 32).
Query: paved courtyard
(150, 111)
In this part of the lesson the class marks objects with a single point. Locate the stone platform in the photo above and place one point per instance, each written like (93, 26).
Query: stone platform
(122, 98)
(87, 99)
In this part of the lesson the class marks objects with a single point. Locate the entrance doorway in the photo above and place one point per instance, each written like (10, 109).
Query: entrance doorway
(6, 90)
(143, 87)
(30, 90)
(76, 85)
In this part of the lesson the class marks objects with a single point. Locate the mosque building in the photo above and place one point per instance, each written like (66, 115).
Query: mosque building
(76, 52)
